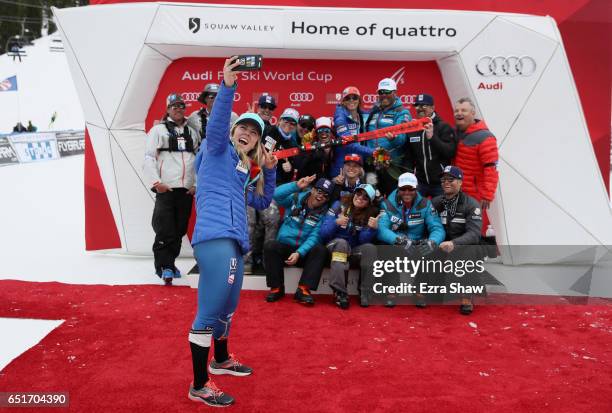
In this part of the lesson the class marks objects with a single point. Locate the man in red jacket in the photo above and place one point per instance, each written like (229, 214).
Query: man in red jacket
(476, 155)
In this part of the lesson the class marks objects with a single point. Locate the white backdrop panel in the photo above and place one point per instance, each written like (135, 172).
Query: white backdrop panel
(139, 93)
(549, 146)
(499, 107)
(116, 36)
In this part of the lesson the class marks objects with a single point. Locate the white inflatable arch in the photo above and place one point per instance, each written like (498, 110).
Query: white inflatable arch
(550, 191)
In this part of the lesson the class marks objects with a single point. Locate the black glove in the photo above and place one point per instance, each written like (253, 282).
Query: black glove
(403, 240)
(426, 247)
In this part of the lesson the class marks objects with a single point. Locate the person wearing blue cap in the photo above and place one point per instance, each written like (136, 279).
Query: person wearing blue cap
(233, 171)
(427, 152)
(298, 242)
(348, 230)
(462, 220)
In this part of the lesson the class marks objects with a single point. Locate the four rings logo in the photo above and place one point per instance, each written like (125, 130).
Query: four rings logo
(506, 66)
(193, 96)
(301, 97)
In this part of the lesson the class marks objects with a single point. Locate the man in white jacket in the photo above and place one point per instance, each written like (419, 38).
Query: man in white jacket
(168, 168)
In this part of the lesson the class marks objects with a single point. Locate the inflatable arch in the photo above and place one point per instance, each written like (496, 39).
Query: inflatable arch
(513, 66)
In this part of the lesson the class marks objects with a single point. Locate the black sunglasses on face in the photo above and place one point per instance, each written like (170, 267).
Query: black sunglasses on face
(407, 189)
(266, 106)
(351, 97)
(385, 92)
(177, 106)
(322, 192)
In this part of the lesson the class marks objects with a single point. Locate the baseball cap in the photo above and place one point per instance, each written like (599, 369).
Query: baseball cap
(290, 113)
(325, 185)
(424, 99)
(174, 98)
(353, 157)
(453, 171)
(369, 189)
(323, 122)
(387, 84)
(307, 121)
(351, 90)
(266, 99)
(407, 179)
(253, 119)
(209, 89)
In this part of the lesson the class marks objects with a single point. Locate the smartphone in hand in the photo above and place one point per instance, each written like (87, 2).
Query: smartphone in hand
(248, 62)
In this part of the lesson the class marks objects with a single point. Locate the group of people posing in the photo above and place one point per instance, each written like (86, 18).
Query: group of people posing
(421, 193)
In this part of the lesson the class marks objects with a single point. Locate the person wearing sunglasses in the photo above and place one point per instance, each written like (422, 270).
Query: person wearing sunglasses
(170, 151)
(462, 219)
(427, 152)
(409, 219)
(305, 129)
(389, 111)
(348, 121)
(318, 162)
(348, 230)
(199, 118)
(298, 241)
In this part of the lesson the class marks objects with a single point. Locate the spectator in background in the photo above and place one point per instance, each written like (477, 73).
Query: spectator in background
(409, 219)
(388, 111)
(348, 121)
(31, 128)
(266, 105)
(198, 119)
(263, 225)
(476, 155)
(168, 168)
(304, 133)
(318, 162)
(298, 238)
(349, 178)
(429, 151)
(19, 128)
(348, 229)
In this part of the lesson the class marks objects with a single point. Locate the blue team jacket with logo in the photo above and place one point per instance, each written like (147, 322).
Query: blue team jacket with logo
(300, 227)
(393, 115)
(223, 190)
(420, 222)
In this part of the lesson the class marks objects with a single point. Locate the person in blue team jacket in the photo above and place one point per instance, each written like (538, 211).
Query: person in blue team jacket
(348, 121)
(233, 171)
(410, 222)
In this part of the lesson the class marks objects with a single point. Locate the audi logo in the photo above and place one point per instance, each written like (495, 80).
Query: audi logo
(371, 99)
(506, 66)
(190, 96)
(193, 96)
(301, 97)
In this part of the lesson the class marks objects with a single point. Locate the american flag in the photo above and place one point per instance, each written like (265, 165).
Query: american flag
(8, 84)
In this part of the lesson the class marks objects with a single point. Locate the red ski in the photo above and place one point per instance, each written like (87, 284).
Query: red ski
(412, 126)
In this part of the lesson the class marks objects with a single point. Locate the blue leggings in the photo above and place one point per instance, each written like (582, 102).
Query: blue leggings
(221, 271)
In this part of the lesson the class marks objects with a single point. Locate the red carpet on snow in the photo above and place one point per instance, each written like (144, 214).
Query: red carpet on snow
(124, 348)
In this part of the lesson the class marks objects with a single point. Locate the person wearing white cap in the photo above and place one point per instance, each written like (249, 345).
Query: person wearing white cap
(170, 151)
(409, 219)
(348, 229)
(388, 111)
(199, 118)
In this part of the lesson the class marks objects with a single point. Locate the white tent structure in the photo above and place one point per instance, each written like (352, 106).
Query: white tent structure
(550, 190)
